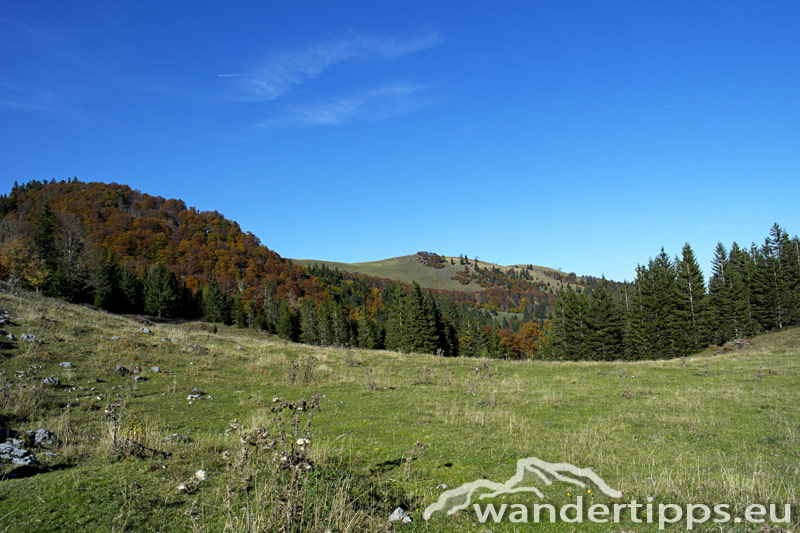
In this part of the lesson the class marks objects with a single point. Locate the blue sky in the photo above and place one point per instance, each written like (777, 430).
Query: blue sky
(579, 135)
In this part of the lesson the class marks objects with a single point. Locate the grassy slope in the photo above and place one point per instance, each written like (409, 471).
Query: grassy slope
(707, 429)
(407, 268)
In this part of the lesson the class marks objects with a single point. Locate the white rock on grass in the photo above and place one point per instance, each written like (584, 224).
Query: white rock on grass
(399, 515)
(17, 456)
(45, 438)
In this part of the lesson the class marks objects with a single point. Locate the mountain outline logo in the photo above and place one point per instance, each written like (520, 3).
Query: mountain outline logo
(454, 500)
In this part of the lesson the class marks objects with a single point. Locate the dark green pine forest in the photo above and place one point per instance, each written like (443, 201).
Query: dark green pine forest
(670, 311)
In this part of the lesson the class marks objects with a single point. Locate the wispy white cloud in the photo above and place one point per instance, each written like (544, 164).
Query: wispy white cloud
(280, 72)
(709, 227)
(30, 30)
(377, 104)
(31, 99)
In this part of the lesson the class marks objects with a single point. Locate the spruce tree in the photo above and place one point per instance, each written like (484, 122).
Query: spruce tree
(692, 292)
(727, 298)
(44, 238)
(325, 328)
(396, 320)
(308, 323)
(772, 292)
(472, 337)
(420, 333)
(668, 317)
(635, 336)
(270, 308)
(59, 285)
(741, 274)
(604, 324)
(255, 316)
(238, 313)
(108, 293)
(131, 288)
(162, 294)
(286, 322)
(791, 266)
(340, 327)
(367, 332)
(721, 318)
(216, 307)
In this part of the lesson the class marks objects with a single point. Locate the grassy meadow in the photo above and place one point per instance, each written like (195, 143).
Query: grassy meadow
(718, 427)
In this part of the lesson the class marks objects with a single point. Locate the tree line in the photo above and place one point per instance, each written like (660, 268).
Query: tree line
(669, 310)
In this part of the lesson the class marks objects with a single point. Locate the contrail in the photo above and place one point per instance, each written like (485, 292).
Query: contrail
(230, 75)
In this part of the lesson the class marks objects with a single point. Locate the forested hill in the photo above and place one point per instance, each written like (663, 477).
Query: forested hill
(92, 219)
(130, 252)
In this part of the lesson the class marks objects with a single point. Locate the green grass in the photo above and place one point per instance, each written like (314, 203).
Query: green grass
(407, 268)
(716, 427)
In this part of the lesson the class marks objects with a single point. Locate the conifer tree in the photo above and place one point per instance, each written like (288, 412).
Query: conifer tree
(270, 308)
(788, 260)
(727, 299)
(668, 317)
(308, 323)
(604, 324)
(569, 331)
(718, 297)
(131, 288)
(325, 334)
(255, 315)
(741, 269)
(495, 347)
(472, 338)
(286, 322)
(772, 293)
(339, 326)
(368, 336)
(637, 341)
(216, 307)
(791, 266)
(394, 299)
(162, 294)
(238, 313)
(108, 290)
(692, 292)
(59, 285)
(420, 333)
(44, 238)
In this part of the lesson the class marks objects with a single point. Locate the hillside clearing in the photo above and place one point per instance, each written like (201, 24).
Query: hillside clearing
(408, 268)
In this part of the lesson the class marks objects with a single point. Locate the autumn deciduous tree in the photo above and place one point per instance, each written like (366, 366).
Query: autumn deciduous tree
(22, 266)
